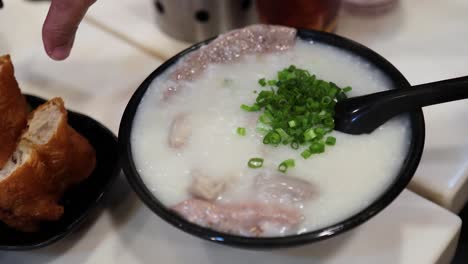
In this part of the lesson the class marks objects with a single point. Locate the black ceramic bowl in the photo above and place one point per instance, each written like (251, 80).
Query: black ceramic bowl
(405, 174)
(78, 201)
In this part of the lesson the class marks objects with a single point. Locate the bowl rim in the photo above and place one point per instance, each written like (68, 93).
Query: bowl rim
(400, 182)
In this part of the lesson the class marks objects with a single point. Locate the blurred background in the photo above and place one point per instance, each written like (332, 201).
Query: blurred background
(198, 20)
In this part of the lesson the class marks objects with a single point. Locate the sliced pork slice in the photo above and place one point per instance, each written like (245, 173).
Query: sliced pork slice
(251, 219)
(229, 47)
(283, 189)
(180, 131)
(205, 187)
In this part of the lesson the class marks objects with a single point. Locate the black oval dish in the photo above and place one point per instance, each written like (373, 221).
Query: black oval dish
(405, 174)
(78, 201)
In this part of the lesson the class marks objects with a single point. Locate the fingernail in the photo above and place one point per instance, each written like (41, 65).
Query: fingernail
(60, 53)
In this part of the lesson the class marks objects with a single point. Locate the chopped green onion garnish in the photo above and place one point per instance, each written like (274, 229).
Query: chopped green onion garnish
(289, 163)
(241, 131)
(297, 109)
(319, 131)
(326, 100)
(309, 134)
(284, 136)
(272, 137)
(317, 147)
(317, 138)
(330, 141)
(347, 89)
(262, 82)
(255, 163)
(266, 118)
(252, 108)
(333, 90)
(283, 168)
(341, 96)
(272, 82)
(329, 122)
(306, 154)
(294, 145)
(313, 105)
(245, 107)
(263, 128)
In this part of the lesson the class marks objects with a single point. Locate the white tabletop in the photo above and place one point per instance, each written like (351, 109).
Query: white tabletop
(98, 80)
(127, 232)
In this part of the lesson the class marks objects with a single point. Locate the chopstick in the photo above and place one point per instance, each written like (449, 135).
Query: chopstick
(135, 44)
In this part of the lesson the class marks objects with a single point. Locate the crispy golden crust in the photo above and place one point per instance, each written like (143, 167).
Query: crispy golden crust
(24, 195)
(83, 157)
(20, 223)
(31, 193)
(13, 110)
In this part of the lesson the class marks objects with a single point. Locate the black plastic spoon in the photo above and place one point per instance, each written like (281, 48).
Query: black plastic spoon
(363, 114)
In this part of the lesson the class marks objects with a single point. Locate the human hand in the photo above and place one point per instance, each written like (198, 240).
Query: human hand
(61, 24)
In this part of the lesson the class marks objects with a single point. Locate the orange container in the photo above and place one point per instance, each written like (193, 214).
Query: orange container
(310, 14)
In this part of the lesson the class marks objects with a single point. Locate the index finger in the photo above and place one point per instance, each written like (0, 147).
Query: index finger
(61, 24)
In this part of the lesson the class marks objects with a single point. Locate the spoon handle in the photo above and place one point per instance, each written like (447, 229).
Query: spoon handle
(396, 101)
(433, 93)
(363, 114)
